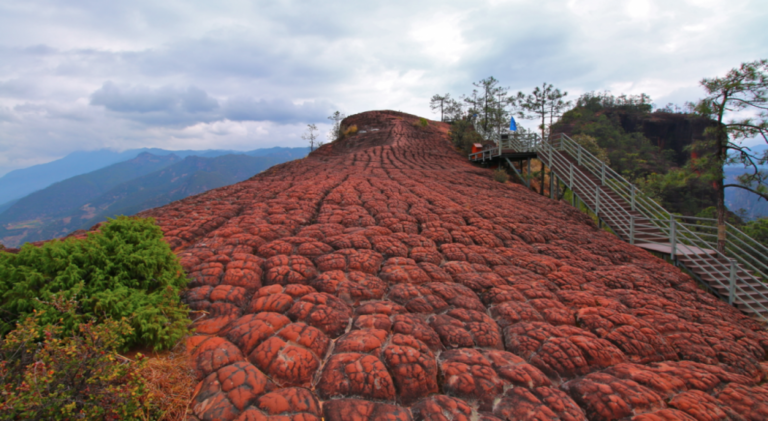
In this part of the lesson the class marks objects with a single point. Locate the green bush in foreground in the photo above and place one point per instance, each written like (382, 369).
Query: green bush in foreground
(125, 271)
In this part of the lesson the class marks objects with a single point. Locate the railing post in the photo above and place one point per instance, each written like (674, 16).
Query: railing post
(732, 283)
(578, 154)
(551, 151)
(573, 188)
(632, 229)
(672, 239)
(602, 175)
(597, 202)
(632, 189)
(551, 185)
(529, 173)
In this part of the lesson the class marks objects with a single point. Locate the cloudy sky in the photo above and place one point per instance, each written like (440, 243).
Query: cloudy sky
(91, 74)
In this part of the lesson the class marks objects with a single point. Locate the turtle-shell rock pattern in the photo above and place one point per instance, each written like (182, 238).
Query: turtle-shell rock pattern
(384, 277)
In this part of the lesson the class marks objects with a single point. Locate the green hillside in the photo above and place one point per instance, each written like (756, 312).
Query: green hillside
(646, 147)
(650, 148)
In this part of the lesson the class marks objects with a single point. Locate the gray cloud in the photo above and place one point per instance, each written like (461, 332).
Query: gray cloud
(142, 99)
(82, 74)
(279, 110)
(6, 115)
(173, 106)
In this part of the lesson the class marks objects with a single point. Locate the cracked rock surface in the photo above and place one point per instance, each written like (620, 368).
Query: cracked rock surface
(386, 278)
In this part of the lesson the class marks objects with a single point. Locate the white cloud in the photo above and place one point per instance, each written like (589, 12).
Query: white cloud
(78, 74)
(441, 37)
(638, 9)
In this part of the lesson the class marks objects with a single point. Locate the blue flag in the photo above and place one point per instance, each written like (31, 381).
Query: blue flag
(512, 124)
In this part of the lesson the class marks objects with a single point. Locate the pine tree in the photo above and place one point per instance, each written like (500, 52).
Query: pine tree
(742, 89)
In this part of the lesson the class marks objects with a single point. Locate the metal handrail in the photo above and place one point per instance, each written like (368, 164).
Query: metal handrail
(560, 152)
(731, 271)
(645, 205)
(649, 218)
(601, 203)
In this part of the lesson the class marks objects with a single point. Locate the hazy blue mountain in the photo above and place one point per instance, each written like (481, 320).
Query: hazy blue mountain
(64, 197)
(191, 176)
(736, 198)
(124, 189)
(6, 205)
(279, 151)
(19, 183)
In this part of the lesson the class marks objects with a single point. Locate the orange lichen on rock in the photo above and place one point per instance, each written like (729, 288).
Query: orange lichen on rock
(384, 277)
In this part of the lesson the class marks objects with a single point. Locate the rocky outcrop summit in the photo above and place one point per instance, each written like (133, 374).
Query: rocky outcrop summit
(386, 278)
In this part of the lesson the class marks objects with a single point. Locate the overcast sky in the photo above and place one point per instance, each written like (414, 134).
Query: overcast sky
(91, 74)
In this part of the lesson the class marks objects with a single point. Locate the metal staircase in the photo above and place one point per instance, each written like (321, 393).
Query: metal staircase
(737, 275)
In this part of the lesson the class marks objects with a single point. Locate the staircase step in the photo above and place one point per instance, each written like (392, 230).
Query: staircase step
(758, 306)
(615, 211)
(758, 311)
(744, 293)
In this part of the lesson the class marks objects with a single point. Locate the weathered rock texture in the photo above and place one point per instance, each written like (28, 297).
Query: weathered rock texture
(386, 278)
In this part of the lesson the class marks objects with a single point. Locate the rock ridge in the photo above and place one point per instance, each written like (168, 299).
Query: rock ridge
(384, 277)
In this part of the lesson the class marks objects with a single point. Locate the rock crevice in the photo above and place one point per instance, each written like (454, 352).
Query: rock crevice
(385, 277)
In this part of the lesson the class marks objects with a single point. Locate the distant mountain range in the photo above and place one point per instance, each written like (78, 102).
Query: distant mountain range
(736, 198)
(124, 188)
(19, 183)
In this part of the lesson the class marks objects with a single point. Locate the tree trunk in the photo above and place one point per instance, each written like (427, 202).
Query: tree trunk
(720, 217)
(720, 206)
(543, 130)
(722, 154)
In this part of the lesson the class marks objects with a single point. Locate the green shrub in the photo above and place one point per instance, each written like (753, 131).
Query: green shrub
(463, 135)
(758, 230)
(500, 175)
(79, 376)
(124, 271)
(421, 122)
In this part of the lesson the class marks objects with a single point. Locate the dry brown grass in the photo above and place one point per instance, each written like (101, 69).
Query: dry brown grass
(421, 123)
(500, 175)
(170, 383)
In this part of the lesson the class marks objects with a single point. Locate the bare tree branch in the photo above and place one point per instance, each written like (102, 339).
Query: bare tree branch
(763, 196)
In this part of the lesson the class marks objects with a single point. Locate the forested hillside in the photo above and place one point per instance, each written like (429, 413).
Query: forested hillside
(644, 146)
(652, 149)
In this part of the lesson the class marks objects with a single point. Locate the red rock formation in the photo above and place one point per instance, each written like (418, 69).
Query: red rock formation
(384, 277)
